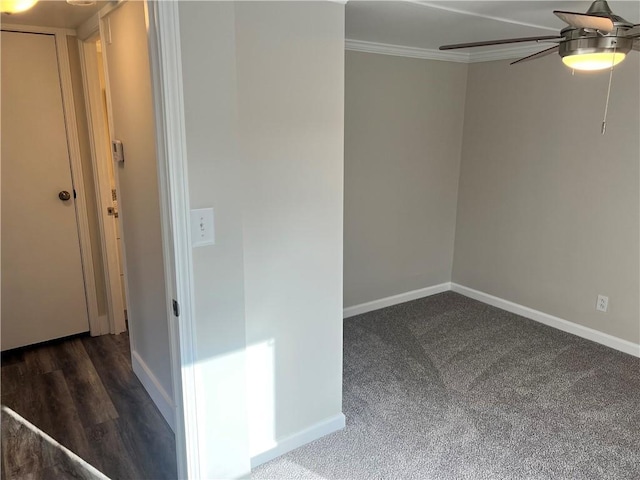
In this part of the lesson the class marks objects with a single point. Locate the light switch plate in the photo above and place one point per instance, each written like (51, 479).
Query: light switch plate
(202, 227)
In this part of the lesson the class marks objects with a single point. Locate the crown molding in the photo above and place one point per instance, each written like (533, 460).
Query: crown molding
(403, 51)
(446, 56)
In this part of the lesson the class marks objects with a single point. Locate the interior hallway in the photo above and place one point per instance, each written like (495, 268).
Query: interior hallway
(83, 393)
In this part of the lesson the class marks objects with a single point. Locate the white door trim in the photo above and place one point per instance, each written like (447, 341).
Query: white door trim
(77, 176)
(166, 73)
(99, 147)
(37, 29)
(105, 38)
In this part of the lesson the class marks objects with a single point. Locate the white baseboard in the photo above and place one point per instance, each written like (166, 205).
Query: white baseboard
(103, 321)
(296, 440)
(555, 322)
(395, 300)
(155, 390)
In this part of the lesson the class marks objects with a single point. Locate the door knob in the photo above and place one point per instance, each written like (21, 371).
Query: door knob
(64, 195)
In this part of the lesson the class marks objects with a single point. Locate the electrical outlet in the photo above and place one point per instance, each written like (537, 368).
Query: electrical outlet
(602, 303)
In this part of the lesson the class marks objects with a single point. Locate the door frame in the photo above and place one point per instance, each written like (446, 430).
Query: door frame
(167, 91)
(77, 176)
(99, 147)
(171, 143)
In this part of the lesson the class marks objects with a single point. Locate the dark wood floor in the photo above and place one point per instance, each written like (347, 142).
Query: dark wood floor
(83, 393)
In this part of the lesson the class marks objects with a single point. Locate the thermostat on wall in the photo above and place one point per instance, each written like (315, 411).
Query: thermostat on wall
(118, 151)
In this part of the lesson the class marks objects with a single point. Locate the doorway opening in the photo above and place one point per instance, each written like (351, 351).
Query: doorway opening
(146, 350)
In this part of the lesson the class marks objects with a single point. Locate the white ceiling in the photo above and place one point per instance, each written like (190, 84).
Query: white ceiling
(427, 25)
(53, 13)
(419, 24)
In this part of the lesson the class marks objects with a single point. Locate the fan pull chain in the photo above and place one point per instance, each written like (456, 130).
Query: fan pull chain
(606, 105)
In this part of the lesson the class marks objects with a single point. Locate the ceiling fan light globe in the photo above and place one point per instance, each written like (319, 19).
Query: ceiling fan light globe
(593, 61)
(16, 6)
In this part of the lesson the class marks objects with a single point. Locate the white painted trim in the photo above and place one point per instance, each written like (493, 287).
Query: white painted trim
(103, 322)
(115, 321)
(155, 390)
(77, 176)
(395, 300)
(403, 51)
(301, 438)
(508, 53)
(171, 143)
(36, 29)
(541, 317)
(555, 322)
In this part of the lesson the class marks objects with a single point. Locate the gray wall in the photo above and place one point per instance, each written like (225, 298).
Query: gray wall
(548, 208)
(403, 136)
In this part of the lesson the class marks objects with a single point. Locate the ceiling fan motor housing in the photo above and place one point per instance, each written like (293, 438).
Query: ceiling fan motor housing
(576, 44)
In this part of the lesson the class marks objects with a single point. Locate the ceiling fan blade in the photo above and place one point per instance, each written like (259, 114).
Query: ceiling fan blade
(500, 42)
(547, 51)
(582, 20)
(633, 32)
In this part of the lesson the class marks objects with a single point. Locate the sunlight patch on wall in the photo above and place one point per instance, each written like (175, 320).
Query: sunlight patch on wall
(261, 397)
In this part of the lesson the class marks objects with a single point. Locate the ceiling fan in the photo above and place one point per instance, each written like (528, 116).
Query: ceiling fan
(595, 40)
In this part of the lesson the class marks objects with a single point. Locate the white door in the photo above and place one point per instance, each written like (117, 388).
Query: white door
(43, 294)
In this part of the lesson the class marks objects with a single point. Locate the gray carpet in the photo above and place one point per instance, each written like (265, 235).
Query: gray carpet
(449, 388)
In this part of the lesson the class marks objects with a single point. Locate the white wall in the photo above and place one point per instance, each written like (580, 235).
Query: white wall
(548, 213)
(403, 140)
(210, 96)
(263, 93)
(290, 59)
